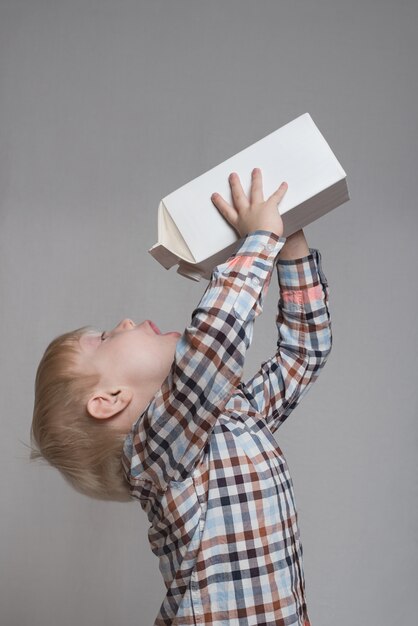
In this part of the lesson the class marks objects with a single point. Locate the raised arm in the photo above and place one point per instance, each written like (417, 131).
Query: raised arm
(169, 438)
(304, 337)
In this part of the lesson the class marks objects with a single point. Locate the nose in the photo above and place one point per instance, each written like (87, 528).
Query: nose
(125, 324)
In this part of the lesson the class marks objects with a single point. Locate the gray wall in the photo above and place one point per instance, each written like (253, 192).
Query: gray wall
(107, 106)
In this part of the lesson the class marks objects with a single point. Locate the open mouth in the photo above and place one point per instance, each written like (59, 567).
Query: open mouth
(155, 328)
(157, 331)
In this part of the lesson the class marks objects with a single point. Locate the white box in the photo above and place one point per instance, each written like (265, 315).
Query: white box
(193, 234)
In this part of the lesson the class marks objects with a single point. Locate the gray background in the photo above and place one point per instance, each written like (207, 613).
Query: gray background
(106, 107)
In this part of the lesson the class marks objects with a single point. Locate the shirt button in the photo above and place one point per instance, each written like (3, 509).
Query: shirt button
(270, 247)
(237, 312)
(255, 280)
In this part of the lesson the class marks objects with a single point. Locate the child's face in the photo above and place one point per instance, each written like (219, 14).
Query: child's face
(132, 356)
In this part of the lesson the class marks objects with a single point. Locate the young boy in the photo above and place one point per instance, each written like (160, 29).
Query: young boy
(201, 457)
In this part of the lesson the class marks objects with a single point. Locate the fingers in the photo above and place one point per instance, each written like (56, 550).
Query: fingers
(223, 207)
(238, 195)
(240, 200)
(257, 186)
(277, 195)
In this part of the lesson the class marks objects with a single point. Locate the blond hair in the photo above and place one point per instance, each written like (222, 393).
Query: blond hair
(85, 450)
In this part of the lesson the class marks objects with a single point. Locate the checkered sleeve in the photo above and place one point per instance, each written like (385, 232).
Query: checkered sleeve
(167, 441)
(304, 340)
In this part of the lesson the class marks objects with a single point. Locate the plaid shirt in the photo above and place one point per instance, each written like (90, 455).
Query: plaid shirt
(202, 459)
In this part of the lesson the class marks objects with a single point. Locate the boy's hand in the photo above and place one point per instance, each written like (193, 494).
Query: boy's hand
(246, 215)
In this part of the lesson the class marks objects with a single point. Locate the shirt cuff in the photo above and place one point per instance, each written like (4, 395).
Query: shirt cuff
(262, 240)
(302, 273)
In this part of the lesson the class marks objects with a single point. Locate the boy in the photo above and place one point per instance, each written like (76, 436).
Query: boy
(201, 457)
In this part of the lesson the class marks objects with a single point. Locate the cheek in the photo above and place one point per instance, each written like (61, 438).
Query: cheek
(146, 360)
(158, 357)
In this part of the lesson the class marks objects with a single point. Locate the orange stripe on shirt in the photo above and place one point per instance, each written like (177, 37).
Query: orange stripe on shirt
(301, 296)
(246, 261)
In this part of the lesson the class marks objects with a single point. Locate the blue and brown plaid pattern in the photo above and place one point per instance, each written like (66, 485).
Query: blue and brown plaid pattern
(202, 459)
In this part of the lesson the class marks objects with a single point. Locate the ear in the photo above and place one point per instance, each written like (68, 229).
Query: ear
(106, 404)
